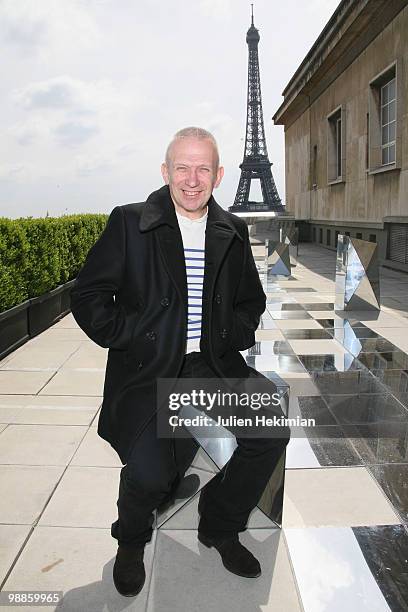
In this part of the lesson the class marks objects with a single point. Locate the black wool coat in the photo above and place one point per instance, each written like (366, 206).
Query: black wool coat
(131, 297)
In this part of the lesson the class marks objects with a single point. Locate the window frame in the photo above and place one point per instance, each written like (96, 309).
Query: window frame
(375, 120)
(387, 105)
(336, 146)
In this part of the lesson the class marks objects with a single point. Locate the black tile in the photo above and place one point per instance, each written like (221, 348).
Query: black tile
(306, 334)
(357, 346)
(340, 324)
(395, 380)
(330, 363)
(322, 306)
(318, 363)
(385, 549)
(311, 407)
(366, 408)
(394, 360)
(350, 383)
(357, 332)
(376, 345)
(382, 443)
(284, 307)
(280, 299)
(393, 479)
(301, 290)
(327, 323)
(331, 447)
(274, 363)
(300, 315)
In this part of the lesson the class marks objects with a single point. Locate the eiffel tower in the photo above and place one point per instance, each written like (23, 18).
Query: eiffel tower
(256, 164)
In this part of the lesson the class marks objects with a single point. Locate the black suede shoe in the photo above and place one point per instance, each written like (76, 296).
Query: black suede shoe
(129, 571)
(187, 487)
(235, 557)
(183, 490)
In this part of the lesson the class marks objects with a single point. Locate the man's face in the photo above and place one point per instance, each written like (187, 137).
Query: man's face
(192, 175)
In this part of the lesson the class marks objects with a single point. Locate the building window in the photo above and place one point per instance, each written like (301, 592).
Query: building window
(388, 122)
(321, 236)
(347, 233)
(335, 146)
(359, 235)
(314, 168)
(373, 238)
(367, 152)
(328, 237)
(314, 234)
(382, 121)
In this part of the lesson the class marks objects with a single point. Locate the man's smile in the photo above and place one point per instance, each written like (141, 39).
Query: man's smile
(191, 194)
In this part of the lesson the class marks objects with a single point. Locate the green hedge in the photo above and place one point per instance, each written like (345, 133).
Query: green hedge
(37, 255)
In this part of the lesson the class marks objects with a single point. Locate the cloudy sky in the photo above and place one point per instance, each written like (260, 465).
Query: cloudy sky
(92, 91)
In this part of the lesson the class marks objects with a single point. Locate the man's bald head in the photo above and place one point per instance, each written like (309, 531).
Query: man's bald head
(193, 132)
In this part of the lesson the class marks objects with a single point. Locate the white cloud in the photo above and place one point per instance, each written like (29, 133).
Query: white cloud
(64, 93)
(73, 133)
(10, 171)
(93, 166)
(72, 110)
(38, 25)
(56, 93)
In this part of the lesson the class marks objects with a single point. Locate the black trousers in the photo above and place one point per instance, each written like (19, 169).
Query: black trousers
(156, 466)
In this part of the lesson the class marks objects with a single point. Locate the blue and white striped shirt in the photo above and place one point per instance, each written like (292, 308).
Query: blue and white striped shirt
(193, 235)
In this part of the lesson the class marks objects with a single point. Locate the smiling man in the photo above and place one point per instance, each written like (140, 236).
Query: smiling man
(172, 290)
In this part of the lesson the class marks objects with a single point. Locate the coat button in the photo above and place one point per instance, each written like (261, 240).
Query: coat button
(140, 365)
(218, 298)
(223, 333)
(165, 301)
(151, 335)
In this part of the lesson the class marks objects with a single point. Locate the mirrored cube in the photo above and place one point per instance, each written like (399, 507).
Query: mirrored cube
(277, 260)
(357, 275)
(219, 444)
(291, 236)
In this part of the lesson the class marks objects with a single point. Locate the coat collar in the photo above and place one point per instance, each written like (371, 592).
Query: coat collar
(159, 210)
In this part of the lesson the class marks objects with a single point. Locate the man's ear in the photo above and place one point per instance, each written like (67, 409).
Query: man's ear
(220, 174)
(165, 173)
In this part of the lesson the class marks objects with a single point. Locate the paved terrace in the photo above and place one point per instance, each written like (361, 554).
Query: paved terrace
(343, 545)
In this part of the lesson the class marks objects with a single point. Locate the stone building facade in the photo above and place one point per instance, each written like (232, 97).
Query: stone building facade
(345, 113)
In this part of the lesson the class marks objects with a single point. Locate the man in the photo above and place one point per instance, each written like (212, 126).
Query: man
(172, 290)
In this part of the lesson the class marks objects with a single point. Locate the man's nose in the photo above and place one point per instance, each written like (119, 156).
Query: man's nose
(192, 178)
